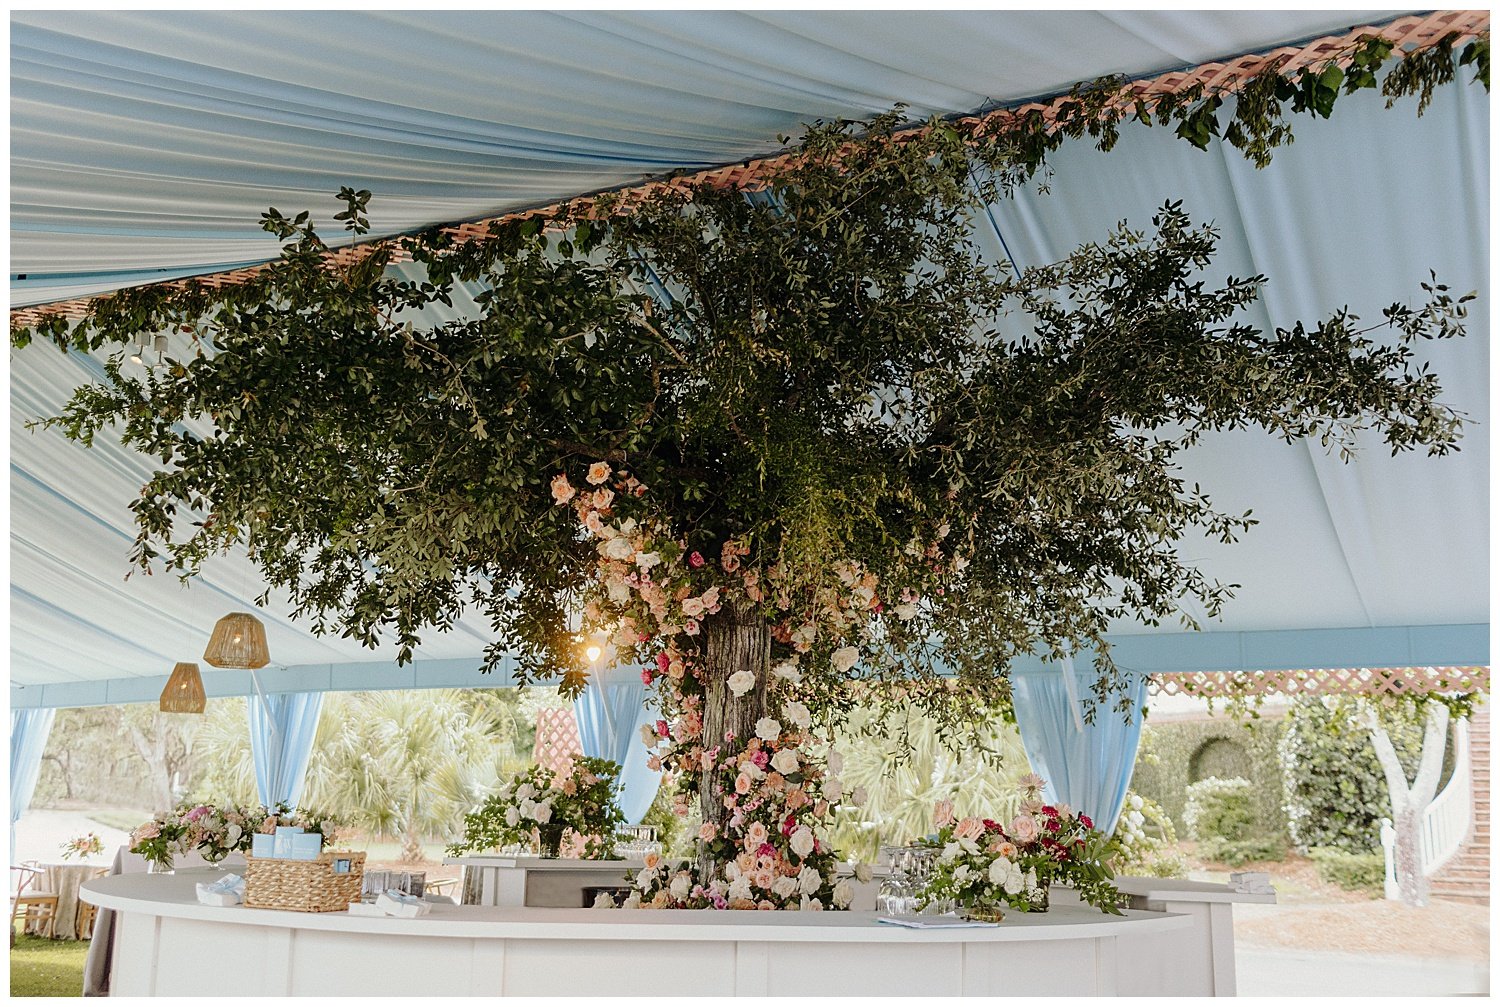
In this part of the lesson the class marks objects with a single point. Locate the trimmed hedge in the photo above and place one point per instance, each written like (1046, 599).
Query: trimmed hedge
(1239, 852)
(1353, 872)
(1219, 809)
(1170, 753)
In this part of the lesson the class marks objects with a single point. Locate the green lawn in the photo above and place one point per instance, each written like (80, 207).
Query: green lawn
(41, 967)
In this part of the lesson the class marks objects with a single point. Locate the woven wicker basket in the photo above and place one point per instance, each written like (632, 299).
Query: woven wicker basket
(304, 886)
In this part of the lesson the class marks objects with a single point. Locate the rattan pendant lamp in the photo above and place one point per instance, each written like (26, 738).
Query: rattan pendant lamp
(184, 691)
(238, 641)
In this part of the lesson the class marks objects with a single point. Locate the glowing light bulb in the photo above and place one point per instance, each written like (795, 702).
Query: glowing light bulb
(593, 653)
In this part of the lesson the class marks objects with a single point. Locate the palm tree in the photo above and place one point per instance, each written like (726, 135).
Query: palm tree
(901, 793)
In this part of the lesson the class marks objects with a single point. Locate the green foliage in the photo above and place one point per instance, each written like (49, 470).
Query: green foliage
(540, 804)
(1173, 754)
(1239, 852)
(1136, 851)
(1219, 809)
(1335, 789)
(831, 370)
(1353, 872)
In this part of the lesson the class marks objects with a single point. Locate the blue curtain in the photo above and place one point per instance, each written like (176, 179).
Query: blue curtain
(610, 714)
(282, 728)
(1087, 766)
(28, 737)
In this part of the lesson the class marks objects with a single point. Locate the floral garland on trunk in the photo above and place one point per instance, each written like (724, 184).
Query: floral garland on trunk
(780, 785)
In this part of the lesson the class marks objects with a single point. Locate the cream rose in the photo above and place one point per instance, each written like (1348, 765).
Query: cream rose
(785, 761)
(785, 887)
(741, 681)
(1023, 829)
(789, 671)
(802, 841)
(768, 729)
(843, 894)
(798, 714)
(598, 472)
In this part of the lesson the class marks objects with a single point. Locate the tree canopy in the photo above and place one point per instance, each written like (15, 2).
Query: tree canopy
(827, 374)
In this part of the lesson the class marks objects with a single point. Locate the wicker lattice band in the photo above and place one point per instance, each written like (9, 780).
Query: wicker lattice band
(1323, 682)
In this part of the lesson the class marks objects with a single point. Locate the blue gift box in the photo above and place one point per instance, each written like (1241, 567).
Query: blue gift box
(284, 837)
(263, 844)
(306, 846)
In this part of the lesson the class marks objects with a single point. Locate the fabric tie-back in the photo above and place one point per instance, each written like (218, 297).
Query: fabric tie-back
(610, 714)
(28, 737)
(1087, 766)
(282, 729)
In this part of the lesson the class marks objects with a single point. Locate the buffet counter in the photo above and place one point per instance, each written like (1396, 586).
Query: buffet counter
(167, 944)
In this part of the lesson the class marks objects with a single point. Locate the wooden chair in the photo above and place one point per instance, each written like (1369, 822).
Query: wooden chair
(28, 904)
(88, 912)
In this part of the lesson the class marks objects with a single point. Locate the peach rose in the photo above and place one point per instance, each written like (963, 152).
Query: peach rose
(942, 813)
(652, 860)
(969, 828)
(742, 784)
(598, 472)
(562, 491)
(1023, 829)
(707, 831)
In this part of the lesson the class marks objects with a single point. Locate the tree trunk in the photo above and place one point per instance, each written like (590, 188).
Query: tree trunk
(1410, 876)
(735, 638)
(1409, 801)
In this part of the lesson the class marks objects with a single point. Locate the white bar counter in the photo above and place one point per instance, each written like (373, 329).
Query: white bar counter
(1202, 962)
(169, 945)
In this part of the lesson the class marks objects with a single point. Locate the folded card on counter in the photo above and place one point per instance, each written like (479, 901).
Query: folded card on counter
(263, 844)
(227, 891)
(306, 846)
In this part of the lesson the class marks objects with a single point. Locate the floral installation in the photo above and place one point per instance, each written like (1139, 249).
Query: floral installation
(215, 831)
(540, 806)
(82, 846)
(781, 785)
(984, 862)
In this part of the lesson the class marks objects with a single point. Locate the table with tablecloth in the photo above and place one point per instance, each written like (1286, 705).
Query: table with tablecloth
(68, 922)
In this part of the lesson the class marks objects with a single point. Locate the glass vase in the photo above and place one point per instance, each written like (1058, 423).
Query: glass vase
(549, 840)
(212, 857)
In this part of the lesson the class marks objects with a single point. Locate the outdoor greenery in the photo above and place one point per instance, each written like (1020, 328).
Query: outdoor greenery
(1354, 872)
(41, 967)
(1136, 851)
(1174, 754)
(1335, 789)
(1219, 809)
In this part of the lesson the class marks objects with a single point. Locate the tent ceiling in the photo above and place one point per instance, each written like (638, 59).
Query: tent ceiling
(1380, 562)
(146, 145)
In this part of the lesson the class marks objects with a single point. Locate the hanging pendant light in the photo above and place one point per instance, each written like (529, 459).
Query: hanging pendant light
(238, 641)
(184, 691)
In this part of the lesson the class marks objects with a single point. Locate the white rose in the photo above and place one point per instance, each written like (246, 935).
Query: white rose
(798, 714)
(1136, 802)
(859, 797)
(741, 681)
(785, 761)
(812, 905)
(681, 885)
(739, 888)
(863, 873)
(802, 841)
(543, 813)
(999, 870)
(906, 611)
(789, 671)
(785, 887)
(233, 833)
(525, 790)
(528, 809)
(732, 870)
(619, 592)
(618, 547)
(647, 560)
(632, 901)
(603, 901)
(1014, 883)
(512, 816)
(844, 658)
(961, 874)
(768, 729)
(648, 735)
(835, 762)
(950, 852)
(843, 894)
(809, 880)
(833, 789)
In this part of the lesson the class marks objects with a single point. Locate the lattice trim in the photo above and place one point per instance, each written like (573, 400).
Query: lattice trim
(1323, 682)
(556, 740)
(1408, 33)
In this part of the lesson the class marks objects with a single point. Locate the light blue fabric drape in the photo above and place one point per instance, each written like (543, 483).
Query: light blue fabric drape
(610, 714)
(1087, 766)
(28, 737)
(282, 728)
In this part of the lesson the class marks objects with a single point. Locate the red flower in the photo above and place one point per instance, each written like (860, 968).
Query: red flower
(991, 826)
(1049, 811)
(663, 662)
(695, 559)
(646, 675)
(661, 729)
(1086, 821)
(789, 825)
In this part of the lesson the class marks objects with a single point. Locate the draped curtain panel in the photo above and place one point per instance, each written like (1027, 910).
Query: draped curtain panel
(28, 737)
(610, 714)
(1087, 766)
(282, 728)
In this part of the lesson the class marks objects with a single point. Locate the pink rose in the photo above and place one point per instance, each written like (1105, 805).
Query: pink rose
(707, 831)
(646, 676)
(663, 661)
(1023, 829)
(969, 828)
(742, 784)
(695, 559)
(942, 813)
(662, 729)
